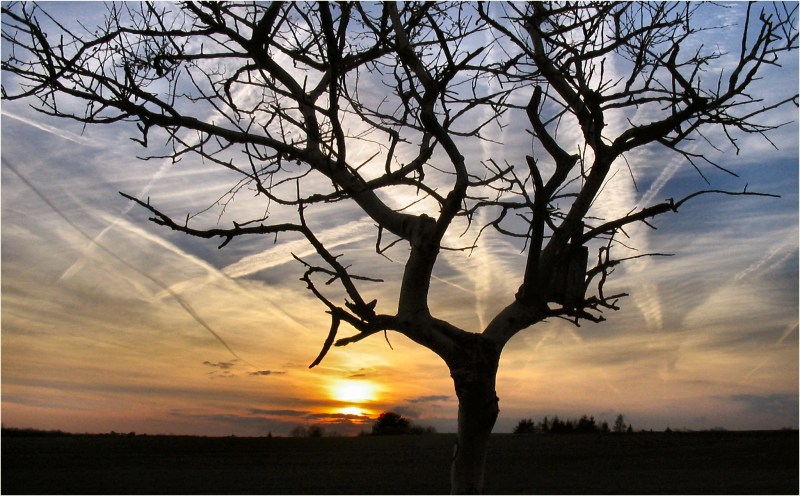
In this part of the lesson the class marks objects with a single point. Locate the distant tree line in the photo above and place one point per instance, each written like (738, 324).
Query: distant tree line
(31, 432)
(584, 425)
(309, 431)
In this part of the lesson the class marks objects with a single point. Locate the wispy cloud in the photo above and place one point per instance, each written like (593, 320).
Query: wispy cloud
(279, 413)
(430, 399)
(771, 404)
(266, 372)
(220, 365)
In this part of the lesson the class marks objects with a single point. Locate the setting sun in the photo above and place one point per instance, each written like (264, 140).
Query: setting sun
(353, 391)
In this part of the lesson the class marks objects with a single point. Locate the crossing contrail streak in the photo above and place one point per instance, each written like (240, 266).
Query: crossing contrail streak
(182, 302)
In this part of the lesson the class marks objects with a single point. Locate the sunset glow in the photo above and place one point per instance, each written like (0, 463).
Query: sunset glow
(353, 391)
(356, 411)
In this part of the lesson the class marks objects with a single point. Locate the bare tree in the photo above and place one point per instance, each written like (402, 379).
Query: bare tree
(289, 96)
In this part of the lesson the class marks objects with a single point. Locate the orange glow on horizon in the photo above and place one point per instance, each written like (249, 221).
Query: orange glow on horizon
(357, 411)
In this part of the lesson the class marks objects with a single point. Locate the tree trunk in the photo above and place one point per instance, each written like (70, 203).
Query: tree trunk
(474, 380)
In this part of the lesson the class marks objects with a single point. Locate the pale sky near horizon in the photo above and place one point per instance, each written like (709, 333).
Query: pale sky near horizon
(106, 316)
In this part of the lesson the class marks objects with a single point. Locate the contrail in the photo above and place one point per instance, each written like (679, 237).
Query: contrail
(81, 140)
(772, 258)
(95, 241)
(183, 303)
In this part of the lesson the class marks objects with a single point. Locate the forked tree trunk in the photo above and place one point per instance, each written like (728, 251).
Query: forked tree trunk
(478, 408)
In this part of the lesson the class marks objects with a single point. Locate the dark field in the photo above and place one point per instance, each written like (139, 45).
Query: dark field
(642, 463)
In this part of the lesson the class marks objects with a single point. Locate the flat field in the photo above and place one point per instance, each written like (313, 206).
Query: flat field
(641, 463)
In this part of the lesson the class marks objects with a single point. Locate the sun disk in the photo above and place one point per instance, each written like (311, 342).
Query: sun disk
(353, 391)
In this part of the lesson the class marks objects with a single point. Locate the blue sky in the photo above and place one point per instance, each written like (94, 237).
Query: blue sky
(106, 317)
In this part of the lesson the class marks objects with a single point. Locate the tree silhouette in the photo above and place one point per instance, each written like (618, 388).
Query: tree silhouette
(316, 431)
(586, 425)
(545, 425)
(374, 106)
(525, 426)
(391, 424)
(619, 424)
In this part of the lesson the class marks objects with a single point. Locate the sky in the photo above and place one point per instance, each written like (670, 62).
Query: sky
(111, 323)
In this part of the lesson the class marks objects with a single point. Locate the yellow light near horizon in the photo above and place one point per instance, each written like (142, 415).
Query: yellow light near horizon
(351, 410)
(353, 391)
(355, 410)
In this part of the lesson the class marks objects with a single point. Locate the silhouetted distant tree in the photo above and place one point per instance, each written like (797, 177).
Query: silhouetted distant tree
(282, 96)
(619, 423)
(30, 432)
(316, 431)
(586, 424)
(299, 431)
(308, 431)
(390, 424)
(544, 426)
(525, 426)
(557, 426)
(604, 427)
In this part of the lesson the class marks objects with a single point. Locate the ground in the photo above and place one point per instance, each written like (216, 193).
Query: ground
(641, 463)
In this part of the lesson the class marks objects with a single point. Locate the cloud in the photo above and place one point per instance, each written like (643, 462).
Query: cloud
(221, 365)
(341, 423)
(267, 372)
(406, 412)
(338, 417)
(771, 404)
(430, 399)
(279, 413)
(226, 423)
